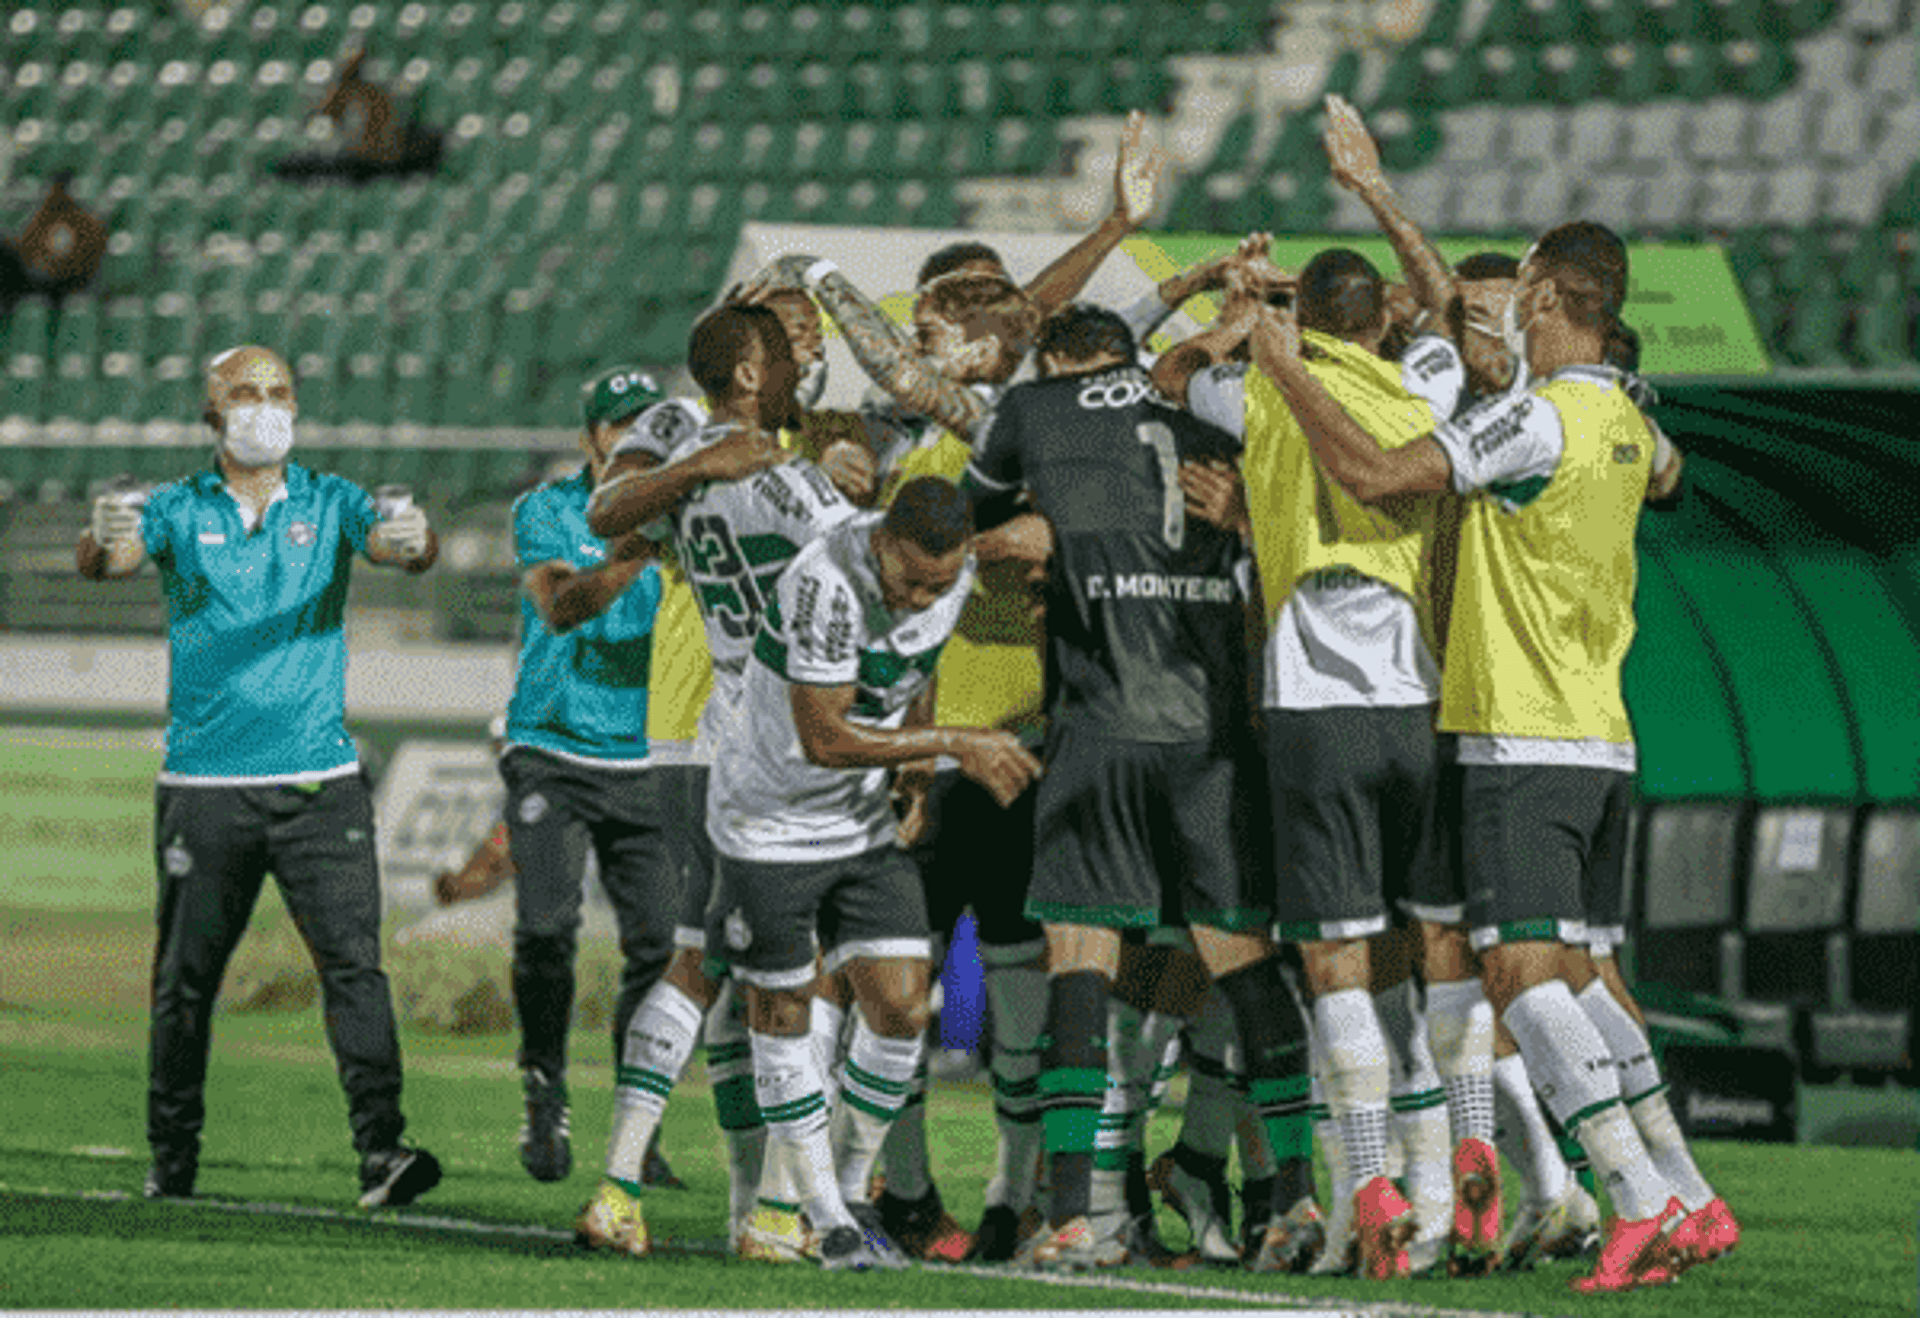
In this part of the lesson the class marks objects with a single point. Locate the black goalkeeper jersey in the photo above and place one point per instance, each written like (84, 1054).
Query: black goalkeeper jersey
(1145, 622)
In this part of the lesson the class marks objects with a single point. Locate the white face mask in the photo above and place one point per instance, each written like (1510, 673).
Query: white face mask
(258, 434)
(1513, 334)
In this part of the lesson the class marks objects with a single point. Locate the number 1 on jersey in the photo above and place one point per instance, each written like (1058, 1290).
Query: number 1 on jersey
(1158, 436)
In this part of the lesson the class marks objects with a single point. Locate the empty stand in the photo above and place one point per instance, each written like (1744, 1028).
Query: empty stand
(1796, 905)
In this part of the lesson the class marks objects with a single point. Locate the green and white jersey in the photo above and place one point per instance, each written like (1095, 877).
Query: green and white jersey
(826, 624)
(733, 539)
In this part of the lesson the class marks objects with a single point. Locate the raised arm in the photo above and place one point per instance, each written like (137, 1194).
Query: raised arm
(888, 358)
(1356, 167)
(1344, 449)
(405, 541)
(1136, 178)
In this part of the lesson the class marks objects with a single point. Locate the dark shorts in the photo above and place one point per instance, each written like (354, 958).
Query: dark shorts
(978, 855)
(1543, 848)
(1128, 834)
(868, 905)
(556, 810)
(683, 803)
(1355, 795)
(1437, 891)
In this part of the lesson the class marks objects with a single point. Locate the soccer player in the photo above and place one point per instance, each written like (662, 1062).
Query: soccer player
(1147, 723)
(800, 810)
(737, 509)
(1561, 471)
(260, 774)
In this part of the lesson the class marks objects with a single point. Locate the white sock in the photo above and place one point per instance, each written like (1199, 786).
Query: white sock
(1017, 993)
(1460, 1028)
(793, 1101)
(1660, 1132)
(1333, 1154)
(873, 1088)
(1582, 1089)
(1632, 1052)
(1419, 1105)
(660, 1039)
(1645, 1094)
(825, 1022)
(1357, 1078)
(1522, 1133)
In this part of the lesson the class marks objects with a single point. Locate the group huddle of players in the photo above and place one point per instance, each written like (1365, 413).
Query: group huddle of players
(1262, 702)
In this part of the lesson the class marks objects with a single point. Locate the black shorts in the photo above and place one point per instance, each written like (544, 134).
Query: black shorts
(1355, 796)
(1543, 849)
(683, 797)
(866, 905)
(978, 855)
(1128, 833)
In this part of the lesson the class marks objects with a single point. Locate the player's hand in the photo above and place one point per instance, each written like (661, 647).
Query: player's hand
(1215, 494)
(1027, 539)
(1136, 172)
(739, 456)
(997, 761)
(113, 522)
(912, 797)
(1277, 333)
(1350, 148)
(852, 469)
(404, 534)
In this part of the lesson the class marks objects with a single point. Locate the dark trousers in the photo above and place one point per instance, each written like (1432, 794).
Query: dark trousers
(556, 810)
(214, 847)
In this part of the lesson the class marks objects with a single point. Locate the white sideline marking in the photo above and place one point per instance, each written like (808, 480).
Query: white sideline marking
(1300, 1306)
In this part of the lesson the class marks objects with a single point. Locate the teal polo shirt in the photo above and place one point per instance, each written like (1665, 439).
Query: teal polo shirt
(257, 680)
(582, 694)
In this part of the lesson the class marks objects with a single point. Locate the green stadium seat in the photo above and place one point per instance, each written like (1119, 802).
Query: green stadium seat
(28, 339)
(1688, 898)
(74, 354)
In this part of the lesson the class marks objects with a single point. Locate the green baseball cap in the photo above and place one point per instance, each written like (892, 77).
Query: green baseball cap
(618, 395)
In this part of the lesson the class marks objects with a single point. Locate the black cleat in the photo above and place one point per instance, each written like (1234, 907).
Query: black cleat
(393, 1178)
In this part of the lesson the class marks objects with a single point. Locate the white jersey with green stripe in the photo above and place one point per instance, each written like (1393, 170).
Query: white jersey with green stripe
(734, 538)
(826, 624)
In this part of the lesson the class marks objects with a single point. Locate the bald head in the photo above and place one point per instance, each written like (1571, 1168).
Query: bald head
(244, 375)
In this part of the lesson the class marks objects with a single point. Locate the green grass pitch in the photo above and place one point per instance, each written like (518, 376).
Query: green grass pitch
(1828, 1230)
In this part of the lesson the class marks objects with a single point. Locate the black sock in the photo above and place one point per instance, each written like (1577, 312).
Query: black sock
(1273, 1041)
(1073, 1085)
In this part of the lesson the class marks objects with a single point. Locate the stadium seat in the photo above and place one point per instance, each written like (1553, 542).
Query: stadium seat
(1687, 901)
(1796, 907)
(1871, 1033)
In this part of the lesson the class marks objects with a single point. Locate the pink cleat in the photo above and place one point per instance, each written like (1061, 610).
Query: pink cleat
(1383, 1223)
(1703, 1236)
(1475, 1244)
(1635, 1253)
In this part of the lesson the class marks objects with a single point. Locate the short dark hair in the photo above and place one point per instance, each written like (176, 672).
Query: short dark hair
(931, 514)
(1587, 262)
(1622, 349)
(1080, 332)
(1341, 293)
(953, 256)
(719, 343)
(1488, 265)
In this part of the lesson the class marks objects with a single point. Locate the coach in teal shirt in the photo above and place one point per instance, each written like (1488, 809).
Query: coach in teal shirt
(260, 775)
(575, 766)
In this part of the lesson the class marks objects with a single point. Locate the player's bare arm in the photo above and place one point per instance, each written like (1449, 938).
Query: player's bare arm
(1214, 493)
(1137, 171)
(913, 781)
(639, 489)
(110, 546)
(830, 739)
(1250, 278)
(566, 596)
(1355, 161)
(1348, 453)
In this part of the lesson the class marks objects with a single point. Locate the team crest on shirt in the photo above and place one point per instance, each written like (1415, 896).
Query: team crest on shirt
(301, 534)
(177, 860)
(1626, 454)
(533, 809)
